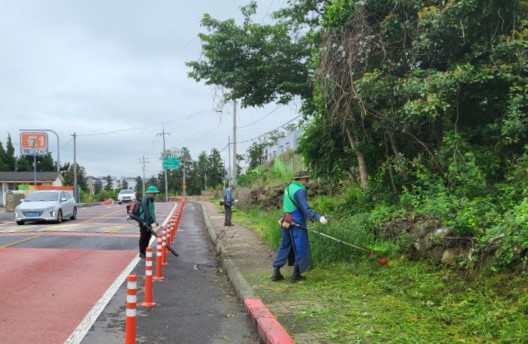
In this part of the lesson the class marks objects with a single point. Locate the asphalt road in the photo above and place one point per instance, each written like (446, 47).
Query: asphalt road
(196, 304)
(78, 260)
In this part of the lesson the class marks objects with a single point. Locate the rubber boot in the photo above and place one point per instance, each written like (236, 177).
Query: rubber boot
(277, 276)
(296, 276)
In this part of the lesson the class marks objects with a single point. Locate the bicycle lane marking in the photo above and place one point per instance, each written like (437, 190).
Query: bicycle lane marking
(59, 288)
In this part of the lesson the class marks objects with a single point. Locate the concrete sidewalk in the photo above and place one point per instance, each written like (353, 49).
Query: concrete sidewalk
(248, 262)
(245, 257)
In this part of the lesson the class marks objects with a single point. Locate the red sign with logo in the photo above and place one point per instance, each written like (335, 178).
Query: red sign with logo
(34, 143)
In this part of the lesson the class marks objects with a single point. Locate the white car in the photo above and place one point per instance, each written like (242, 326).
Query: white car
(52, 205)
(126, 196)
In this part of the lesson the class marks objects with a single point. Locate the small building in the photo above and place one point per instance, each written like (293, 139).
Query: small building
(10, 181)
(286, 143)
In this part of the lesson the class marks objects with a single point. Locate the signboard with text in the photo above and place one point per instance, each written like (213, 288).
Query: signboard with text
(33, 143)
(171, 164)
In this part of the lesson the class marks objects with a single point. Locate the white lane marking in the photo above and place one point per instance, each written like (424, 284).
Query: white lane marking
(77, 336)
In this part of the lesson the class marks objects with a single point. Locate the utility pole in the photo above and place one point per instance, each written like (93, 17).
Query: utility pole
(34, 163)
(184, 185)
(234, 143)
(164, 155)
(75, 194)
(143, 162)
(229, 159)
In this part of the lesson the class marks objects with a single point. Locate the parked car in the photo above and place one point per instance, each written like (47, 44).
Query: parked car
(126, 196)
(52, 205)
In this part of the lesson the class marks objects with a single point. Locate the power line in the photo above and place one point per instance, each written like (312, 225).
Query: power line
(269, 132)
(261, 119)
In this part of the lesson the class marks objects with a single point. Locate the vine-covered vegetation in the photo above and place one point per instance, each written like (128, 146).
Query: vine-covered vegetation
(420, 106)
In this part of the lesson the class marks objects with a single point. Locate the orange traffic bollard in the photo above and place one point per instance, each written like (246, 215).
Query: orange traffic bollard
(158, 276)
(164, 246)
(148, 280)
(172, 226)
(130, 325)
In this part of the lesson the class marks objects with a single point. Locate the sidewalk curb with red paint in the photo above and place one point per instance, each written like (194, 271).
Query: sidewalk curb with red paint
(269, 329)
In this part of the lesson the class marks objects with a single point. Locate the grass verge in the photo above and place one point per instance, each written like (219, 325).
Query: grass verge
(401, 302)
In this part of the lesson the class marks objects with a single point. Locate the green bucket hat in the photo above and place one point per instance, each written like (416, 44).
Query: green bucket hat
(152, 189)
(301, 175)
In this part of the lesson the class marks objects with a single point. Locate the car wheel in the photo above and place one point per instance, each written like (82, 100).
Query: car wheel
(20, 223)
(119, 202)
(74, 214)
(59, 216)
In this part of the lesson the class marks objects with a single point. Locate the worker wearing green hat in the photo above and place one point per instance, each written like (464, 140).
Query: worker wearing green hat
(147, 214)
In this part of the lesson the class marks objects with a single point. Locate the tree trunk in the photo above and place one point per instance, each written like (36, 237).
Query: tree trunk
(362, 164)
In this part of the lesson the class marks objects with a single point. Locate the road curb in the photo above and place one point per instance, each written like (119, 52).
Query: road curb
(268, 327)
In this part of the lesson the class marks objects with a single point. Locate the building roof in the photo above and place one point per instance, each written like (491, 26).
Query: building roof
(17, 177)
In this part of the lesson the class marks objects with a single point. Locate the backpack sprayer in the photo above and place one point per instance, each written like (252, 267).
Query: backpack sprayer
(132, 216)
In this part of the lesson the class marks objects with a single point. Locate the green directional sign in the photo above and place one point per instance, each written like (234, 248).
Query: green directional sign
(171, 164)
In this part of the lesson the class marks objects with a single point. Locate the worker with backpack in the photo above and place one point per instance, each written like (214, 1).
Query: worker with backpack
(148, 217)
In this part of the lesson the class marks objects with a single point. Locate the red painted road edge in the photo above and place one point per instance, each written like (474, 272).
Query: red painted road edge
(269, 329)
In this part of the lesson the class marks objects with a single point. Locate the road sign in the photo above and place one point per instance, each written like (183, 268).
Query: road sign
(33, 143)
(171, 164)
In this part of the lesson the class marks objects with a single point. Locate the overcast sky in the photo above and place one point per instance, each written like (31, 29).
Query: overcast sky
(113, 72)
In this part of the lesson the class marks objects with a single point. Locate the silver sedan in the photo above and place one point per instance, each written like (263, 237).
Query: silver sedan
(52, 205)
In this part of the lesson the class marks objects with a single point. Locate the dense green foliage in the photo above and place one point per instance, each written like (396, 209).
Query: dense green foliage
(255, 63)
(422, 104)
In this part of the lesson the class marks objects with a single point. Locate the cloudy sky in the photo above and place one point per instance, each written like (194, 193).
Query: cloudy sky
(113, 72)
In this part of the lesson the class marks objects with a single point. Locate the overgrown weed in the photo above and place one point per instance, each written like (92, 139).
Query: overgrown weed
(351, 298)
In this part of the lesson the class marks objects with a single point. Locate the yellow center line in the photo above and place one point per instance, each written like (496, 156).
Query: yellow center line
(117, 229)
(23, 240)
(100, 217)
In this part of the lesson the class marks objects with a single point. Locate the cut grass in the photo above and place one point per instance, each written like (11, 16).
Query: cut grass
(405, 302)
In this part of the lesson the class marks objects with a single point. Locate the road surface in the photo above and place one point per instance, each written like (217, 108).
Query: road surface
(53, 275)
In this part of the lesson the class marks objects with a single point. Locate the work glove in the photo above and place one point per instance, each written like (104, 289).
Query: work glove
(323, 220)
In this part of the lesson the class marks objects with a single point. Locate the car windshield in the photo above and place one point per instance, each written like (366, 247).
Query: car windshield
(43, 196)
(126, 192)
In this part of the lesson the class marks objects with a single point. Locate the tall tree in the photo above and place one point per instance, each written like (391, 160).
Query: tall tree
(98, 186)
(139, 186)
(67, 172)
(3, 159)
(257, 64)
(109, 183)
(10, 154)
(216, 169)
(194, 182)
(389, 85)
(153, 181)
(24, 164)
(256, 154)
(202, 168)
(45, 163)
